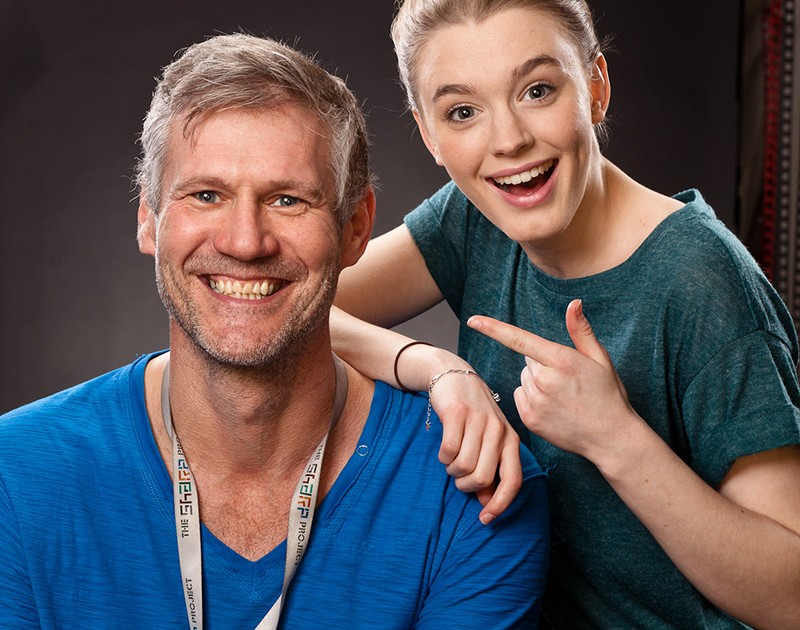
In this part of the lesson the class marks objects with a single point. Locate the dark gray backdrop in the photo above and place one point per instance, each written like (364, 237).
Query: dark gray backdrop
(76, 79)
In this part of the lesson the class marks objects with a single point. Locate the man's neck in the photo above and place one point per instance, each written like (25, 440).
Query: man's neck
(247, 437)
(233, 420)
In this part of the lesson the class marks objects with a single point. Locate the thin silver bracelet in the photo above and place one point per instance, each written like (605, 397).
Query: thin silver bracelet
(435, 380)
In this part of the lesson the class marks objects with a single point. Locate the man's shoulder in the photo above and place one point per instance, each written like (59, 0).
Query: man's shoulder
(75, 410)
(397, 501)
(411, 429)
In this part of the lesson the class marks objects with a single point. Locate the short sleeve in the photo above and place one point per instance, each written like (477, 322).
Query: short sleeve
(493, 576)
(744, 401)
(17, 604)
(439, 226)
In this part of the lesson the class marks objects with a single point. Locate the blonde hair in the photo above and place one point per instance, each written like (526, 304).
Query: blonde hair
(417, 20)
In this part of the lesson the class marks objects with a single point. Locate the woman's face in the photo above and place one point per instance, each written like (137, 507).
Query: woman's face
(507, 107)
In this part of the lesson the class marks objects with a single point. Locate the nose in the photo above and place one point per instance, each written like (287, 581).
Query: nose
(510, 134)
(246, 231)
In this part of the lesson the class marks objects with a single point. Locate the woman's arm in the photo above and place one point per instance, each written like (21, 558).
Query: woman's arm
(740, 547)
(389, 285)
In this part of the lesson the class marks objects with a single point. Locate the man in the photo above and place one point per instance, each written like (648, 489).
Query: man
(160, 495)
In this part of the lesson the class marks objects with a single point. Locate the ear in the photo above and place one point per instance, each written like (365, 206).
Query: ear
(600, 87)
(426, 138)
(358, 229)
(146, 233)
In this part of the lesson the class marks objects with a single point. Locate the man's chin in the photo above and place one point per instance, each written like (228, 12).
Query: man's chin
(252, 356)
(238, 350)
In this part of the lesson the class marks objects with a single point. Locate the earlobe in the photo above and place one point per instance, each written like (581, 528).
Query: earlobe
(146, 232)
(358, 229)
(600, 87)
(433, 149)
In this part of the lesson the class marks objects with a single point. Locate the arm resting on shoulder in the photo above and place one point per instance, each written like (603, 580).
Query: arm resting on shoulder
(389, 285)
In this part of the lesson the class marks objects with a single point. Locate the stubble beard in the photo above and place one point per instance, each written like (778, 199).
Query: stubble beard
(302, 324)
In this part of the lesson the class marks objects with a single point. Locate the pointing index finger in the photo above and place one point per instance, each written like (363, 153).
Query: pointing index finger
(516, 339)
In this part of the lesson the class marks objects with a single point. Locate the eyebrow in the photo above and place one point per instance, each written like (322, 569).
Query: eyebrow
(532, 64)
(313, 194)
(518, 73)
(197, 183)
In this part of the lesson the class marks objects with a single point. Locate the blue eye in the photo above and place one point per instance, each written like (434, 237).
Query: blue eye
(461, 113)
(207, 196)
(286, 201)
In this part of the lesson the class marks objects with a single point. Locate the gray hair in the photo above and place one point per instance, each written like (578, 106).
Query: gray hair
(243, 71)
(417, 20)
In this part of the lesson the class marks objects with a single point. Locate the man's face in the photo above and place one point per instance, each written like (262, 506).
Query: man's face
(247, 246)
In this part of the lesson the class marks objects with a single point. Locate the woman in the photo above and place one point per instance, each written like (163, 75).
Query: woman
(670, 426)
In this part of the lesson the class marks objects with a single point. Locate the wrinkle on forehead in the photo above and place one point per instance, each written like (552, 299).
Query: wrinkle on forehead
(294, 139)
(192, 121)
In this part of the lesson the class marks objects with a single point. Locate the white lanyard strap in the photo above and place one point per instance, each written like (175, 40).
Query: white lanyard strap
(187, 516)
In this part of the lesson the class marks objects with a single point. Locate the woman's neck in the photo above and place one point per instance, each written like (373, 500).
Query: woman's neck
(613, 219)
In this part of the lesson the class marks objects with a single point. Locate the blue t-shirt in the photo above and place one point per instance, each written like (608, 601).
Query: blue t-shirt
(87, 533)
(707, 352)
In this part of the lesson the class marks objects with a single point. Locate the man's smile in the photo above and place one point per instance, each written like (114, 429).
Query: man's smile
(246, 289)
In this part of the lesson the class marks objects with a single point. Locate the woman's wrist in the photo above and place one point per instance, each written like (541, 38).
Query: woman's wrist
(400, 352)
(417, 363)
(622, 456)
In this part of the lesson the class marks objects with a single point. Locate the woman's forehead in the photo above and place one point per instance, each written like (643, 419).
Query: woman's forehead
(506, 44)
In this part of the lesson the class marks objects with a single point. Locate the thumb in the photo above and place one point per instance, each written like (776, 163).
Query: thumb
(580, 331)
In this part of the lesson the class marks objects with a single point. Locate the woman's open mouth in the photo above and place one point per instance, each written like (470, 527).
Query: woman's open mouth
(526, 182)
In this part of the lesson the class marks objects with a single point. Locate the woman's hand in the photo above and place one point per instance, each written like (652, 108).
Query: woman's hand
(571, 397)
(477, 439)
(478, 443)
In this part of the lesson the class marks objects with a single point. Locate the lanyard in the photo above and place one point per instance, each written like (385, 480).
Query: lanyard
(187, 516)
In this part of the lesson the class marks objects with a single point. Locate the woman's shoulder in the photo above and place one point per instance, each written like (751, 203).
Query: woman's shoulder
(696, 239)
(447, 206)
(448, 216)
(708, 267)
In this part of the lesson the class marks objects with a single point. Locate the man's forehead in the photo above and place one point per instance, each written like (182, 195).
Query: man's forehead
(286, 142)
(188, 120)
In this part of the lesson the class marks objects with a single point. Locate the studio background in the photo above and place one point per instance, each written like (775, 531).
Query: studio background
(75, 82)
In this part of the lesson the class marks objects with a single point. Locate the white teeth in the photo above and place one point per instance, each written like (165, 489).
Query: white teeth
(518, 178)
(252, 290)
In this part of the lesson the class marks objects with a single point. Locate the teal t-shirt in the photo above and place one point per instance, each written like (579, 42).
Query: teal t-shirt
(707, 352)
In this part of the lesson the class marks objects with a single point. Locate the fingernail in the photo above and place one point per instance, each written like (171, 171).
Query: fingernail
(487, 518)
(474, 323)
(579, 308)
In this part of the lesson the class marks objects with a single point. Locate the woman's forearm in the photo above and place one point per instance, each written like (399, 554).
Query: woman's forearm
(373, 351)
(738, 554)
